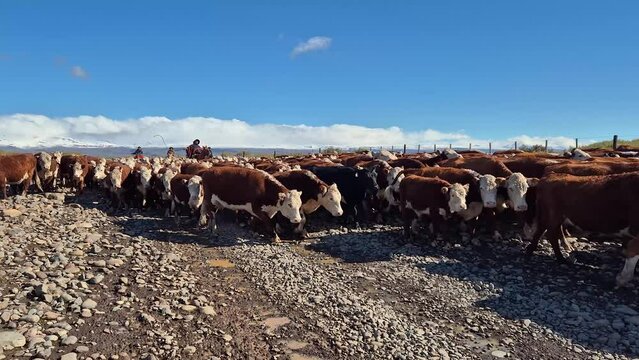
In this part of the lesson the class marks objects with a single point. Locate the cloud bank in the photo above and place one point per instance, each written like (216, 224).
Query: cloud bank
(28, 130)
(315, 43)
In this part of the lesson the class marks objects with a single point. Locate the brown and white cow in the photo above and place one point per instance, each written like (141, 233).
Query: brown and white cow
(18, 169)
(603, 204)
(48, 168)
(315, 193)
(116, 182)
(253, 191)
(186, 190)
(432, 197)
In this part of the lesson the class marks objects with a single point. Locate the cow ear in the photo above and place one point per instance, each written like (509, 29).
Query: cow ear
(501, 182)
(532, 182)
(444, 190)
(323, 189)
(467, 187)
(356, 174)
(281, 197)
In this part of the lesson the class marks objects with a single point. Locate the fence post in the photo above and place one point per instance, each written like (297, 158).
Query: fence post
(546, 146)
(404, 153)
(418, 147)
(576, 143)
(490, 148)
(435, 148)
(450, 146)
(470, 146)
(274, 154)
(243, 153)
(614, 142)
(515, 145)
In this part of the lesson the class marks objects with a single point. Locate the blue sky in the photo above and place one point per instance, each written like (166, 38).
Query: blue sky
(488, 69)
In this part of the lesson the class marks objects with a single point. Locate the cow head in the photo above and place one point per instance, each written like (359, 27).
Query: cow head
(166, 182)
(116, 178)
(392, 175)
(155, 168)
(579, 154)
(196, 193)
(456, 194)
(517, 186)
(44, 161)
(145, 176)
(488, 185)
(368, 178)
(100, 172)
(451, 154)
(331, 200)
(77, 170)
(289, 205)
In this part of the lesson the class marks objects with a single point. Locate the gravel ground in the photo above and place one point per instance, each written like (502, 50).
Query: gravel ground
(77, 283)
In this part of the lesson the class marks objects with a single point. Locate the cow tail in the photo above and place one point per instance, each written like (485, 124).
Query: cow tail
(36, 179)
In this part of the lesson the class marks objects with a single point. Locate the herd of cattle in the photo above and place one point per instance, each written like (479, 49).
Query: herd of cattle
(547, 194)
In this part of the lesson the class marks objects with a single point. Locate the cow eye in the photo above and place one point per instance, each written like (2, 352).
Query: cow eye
(289, 205)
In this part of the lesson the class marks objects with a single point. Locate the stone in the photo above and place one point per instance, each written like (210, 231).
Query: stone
(11, 339)
(11, 213)
(208, 310)
(55, 196)
(69, 356)
(70, 340)
(499, 354)
(89, 304)
(82, 349)
(626, 310)
(189, 308)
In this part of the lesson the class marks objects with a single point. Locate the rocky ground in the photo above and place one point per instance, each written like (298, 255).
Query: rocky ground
(76, 283)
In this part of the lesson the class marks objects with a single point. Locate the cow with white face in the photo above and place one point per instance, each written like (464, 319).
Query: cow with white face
(253, 191)
(488, 186)
(579, 154)
(429, 197)
(143, 179)
(517, 185)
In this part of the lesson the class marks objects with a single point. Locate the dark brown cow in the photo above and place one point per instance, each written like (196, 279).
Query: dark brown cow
(483, 165)
(192, 168)
(598, 166)
(73, 171)
(253, 191)
(406, 163)
(18, 169)
(530, 166)
(604, 204)
(421, 196)
(353, 160)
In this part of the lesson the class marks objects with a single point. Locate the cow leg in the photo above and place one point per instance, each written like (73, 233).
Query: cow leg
(407, 217)
(268, 226)
(299, 229)
(631, 253)
(553, 235)
(628, 271)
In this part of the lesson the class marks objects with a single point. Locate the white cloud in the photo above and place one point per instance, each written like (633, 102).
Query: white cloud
(27, 130)
(79, 72)
(313, 44)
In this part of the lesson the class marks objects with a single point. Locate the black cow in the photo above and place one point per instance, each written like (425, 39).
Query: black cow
(358, 187)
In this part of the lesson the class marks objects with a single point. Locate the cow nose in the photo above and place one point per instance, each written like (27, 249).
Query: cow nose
(491, 204)
(340, 213)
(521, 207)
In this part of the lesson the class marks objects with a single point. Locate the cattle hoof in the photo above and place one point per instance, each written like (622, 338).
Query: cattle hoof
(276, 240)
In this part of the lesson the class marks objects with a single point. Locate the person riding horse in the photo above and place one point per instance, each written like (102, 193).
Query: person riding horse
(194, 149)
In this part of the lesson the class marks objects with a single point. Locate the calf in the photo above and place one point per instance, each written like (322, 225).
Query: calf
(432, 197)
(253, 191)
(605, 204)
(19, 169)
(315, 193)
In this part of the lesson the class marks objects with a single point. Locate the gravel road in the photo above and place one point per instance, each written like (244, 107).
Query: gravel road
(78, 283)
